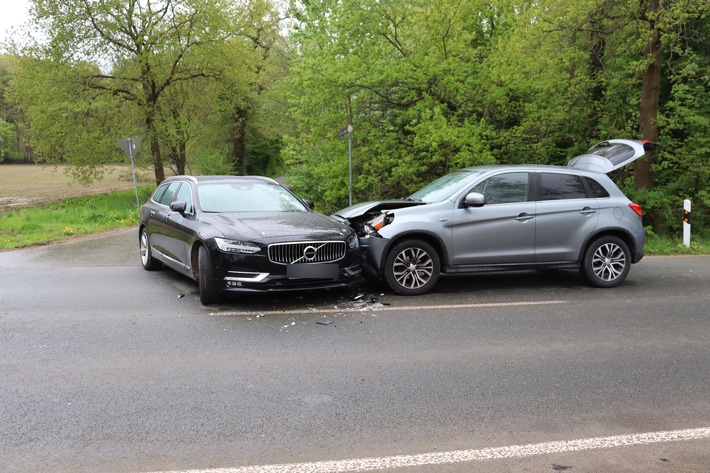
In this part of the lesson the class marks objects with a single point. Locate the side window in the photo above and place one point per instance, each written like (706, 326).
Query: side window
(561, 186)
(504, 188)
(185, 194)
(598, 191)
(158, 194)
(167, 197)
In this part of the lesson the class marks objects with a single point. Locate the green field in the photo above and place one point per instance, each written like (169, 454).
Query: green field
(41, 205)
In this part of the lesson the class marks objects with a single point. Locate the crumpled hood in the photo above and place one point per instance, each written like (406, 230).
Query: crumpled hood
(359, 210)
(276, 226)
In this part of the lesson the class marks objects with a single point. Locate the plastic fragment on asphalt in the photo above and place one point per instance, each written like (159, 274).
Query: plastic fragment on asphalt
(180, 296)
(324, 322)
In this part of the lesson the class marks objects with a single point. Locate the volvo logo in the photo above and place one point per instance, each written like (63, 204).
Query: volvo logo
(309, 253)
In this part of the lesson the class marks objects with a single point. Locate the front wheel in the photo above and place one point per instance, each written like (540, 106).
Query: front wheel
(412, 267)
(205, 279)
(607, 262)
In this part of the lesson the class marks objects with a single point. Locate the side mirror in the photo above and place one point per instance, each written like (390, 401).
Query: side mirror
(474, 199)
(309, 203)
(178, 206)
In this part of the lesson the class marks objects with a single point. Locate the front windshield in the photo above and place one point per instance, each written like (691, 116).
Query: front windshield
(444, 187)
(247, 197)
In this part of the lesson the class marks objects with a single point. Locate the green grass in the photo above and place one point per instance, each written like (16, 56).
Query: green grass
(667, 245)
(70, 217)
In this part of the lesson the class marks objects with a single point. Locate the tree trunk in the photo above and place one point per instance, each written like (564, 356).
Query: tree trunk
(154, 146)
(650, 94)
(239, 148)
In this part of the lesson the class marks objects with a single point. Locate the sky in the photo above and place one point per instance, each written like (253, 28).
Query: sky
(13, 13)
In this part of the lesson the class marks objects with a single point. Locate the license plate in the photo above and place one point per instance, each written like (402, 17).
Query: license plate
(312, 271)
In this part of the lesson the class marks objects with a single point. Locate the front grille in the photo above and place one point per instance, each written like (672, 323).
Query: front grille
(307, 252)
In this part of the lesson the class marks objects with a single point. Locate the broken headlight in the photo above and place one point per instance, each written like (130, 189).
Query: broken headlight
(374, 225)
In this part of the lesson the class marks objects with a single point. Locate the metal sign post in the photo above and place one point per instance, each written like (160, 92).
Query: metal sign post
(349, 131)
(130, 147)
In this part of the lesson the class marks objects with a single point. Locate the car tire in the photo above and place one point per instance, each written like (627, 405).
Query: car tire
(607, 262)
(412, 267)
(205, 278)
(149, 263)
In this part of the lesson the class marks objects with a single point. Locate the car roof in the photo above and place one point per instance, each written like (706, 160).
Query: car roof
(521, 167)
(221, 178)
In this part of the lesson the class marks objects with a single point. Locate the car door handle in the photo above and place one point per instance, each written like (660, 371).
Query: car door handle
(587, 211)
(524, 217)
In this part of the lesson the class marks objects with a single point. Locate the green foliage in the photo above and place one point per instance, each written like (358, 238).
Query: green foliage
(433, 86)
(71, 217)
(64, 123)
(8, 140)
(211, 162)
(167, 69)
(666, 245)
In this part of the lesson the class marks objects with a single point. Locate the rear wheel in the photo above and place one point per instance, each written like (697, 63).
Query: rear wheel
(205, 278)
(607, 262)
(147, 260)
(412, 267)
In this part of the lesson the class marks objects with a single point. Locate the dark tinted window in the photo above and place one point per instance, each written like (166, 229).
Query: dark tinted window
(617, 153)
(504, 188)
(596, 189)
(561, 186)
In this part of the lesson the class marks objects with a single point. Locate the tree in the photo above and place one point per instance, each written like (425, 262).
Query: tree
(62, 122)
(429, 87)
(147, 45)
(8, 115)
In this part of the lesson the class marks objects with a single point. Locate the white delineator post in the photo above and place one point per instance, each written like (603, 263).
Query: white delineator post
(686, 223)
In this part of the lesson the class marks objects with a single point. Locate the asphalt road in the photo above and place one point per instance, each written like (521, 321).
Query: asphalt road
(108, 368)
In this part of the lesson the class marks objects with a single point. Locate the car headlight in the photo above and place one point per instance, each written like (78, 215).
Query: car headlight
(234, 246)
(353, 241)
(374, 225)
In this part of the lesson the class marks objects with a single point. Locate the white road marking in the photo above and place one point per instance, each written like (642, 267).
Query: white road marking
(384, 308)
(462, 456)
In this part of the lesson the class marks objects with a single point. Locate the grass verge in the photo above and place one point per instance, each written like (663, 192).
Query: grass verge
(70, 217)
(668, 245)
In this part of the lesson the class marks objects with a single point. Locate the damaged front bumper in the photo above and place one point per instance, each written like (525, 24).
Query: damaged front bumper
(373, 249)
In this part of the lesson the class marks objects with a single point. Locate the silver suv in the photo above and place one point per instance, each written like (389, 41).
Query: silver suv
(507, 218)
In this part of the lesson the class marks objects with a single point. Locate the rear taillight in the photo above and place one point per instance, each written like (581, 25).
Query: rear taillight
(649, 145)
(636, 208)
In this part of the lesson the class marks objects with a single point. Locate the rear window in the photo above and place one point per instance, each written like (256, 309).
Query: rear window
(616, 153)
(597, 190)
